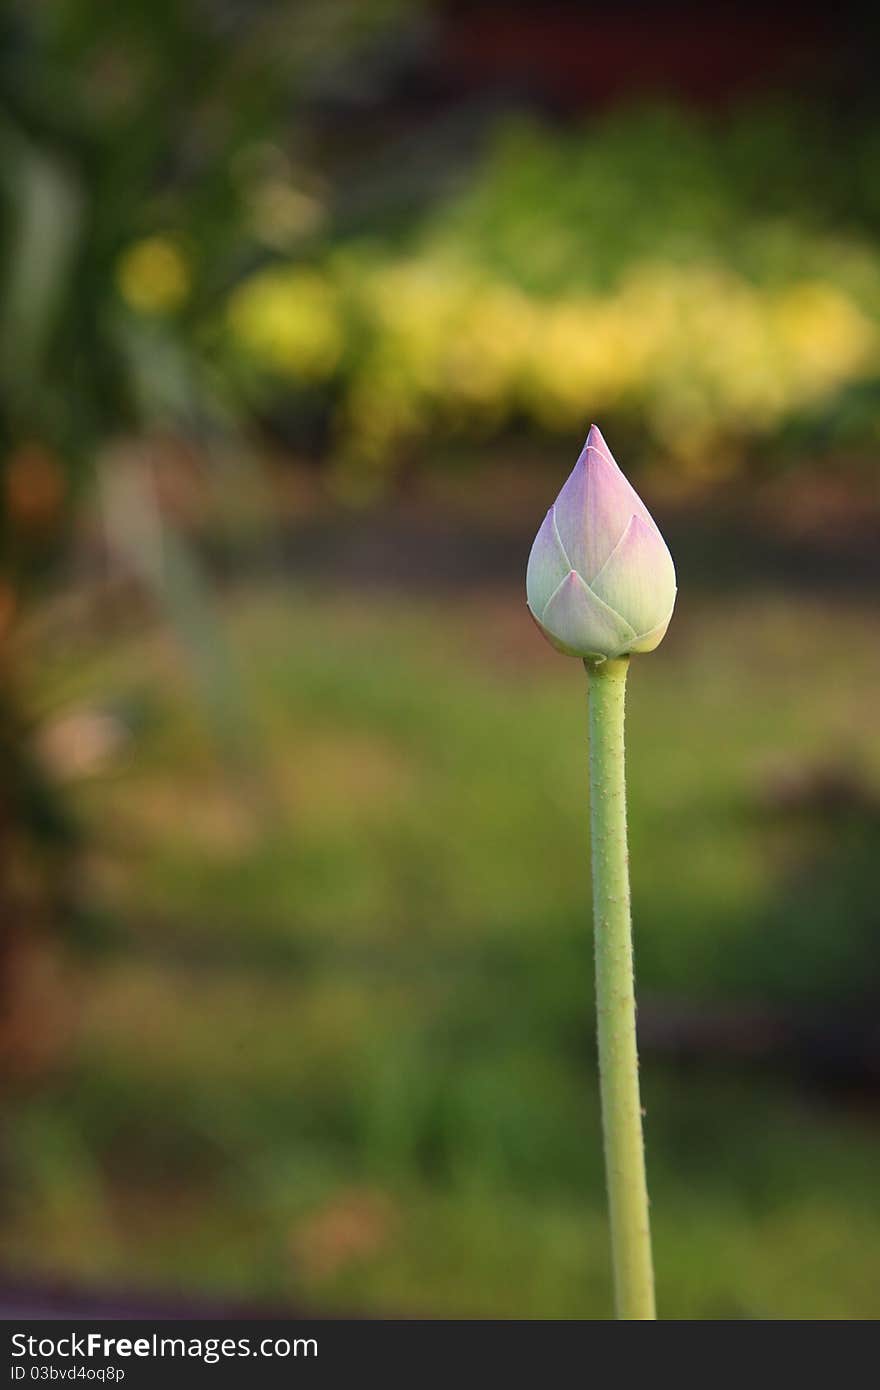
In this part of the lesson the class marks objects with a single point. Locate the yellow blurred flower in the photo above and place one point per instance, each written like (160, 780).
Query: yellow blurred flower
(153, 275)
(289, 320)
(825, 333)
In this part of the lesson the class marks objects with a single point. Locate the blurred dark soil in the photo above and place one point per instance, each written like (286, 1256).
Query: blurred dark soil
(817, 535)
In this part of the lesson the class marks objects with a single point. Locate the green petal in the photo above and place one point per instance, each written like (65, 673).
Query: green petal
(580, 624)
(638, 578)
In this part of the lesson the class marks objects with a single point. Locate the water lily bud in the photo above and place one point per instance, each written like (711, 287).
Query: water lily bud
(600, 580)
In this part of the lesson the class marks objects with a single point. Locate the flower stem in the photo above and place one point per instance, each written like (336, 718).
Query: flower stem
(615, 997)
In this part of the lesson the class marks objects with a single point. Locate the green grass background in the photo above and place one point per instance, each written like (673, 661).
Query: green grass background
(337, 1046)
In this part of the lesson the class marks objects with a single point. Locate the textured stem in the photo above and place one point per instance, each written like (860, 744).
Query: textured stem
(615, 997)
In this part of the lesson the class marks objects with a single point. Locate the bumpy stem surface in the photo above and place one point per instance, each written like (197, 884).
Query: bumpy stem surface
(615, 997)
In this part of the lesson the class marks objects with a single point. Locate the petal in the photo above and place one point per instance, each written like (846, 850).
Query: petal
(594, 507)
(580, 624)
(547, 565)
(595, 440)
(649, 640)
(638, 578)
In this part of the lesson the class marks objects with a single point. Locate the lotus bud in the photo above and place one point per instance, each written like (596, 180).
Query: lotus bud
(600, 580)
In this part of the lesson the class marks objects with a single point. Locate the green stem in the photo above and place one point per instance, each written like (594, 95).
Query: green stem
(615, 997)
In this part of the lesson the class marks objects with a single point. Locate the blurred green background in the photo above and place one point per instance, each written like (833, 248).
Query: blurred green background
(306, 311)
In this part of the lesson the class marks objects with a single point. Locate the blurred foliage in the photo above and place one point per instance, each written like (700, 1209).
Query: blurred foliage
(132, 148)
(135, 142)
(175, 248)
(677, 272)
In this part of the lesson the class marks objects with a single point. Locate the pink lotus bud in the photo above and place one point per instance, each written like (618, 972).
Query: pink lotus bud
(600, 580)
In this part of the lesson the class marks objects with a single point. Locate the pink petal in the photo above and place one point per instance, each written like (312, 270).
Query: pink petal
(595, 440)
(594, 508)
